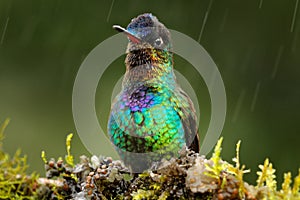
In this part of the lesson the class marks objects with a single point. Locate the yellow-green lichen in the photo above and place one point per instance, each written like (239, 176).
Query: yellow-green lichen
(189, 176)
(238, 170)
(266, 177)
(69, 158)
(15, 183)
(143, 194)
(215, 169)
(296, 186)
(43, 156)
(286, 185)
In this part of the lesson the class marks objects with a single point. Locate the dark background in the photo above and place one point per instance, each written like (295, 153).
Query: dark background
(255, 44)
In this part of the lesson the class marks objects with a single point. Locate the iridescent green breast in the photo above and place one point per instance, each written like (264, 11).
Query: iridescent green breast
(146, 120)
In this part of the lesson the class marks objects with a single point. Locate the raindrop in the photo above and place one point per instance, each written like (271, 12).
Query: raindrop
(224, 21)
(203, 25)
(255, 96)
(294, 16)
(204, 20)
(4, 31)
(238, 106)
(110, 9)
(260, 4)
(279, 54)
(295, 38)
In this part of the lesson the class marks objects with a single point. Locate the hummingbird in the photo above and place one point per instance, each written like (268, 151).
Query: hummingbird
(152, 117)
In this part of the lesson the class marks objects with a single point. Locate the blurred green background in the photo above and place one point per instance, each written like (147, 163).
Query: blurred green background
(255, 44)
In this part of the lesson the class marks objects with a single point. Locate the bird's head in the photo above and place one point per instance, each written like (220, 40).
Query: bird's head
(149, 41)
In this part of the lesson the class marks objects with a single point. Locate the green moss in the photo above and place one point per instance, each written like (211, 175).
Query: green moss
(15, 183)
(69, 158)
(188, 177)
(143, 194)
(238, 171)
(215, 169)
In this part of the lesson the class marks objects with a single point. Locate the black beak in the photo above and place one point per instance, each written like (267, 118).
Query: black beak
(130, 36)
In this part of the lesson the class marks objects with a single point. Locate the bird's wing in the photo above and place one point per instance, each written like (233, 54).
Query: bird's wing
(188, 117)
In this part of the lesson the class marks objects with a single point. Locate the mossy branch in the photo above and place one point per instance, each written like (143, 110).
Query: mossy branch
(190, 176)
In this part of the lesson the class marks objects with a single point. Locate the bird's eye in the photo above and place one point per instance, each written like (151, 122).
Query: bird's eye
(158, 41)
